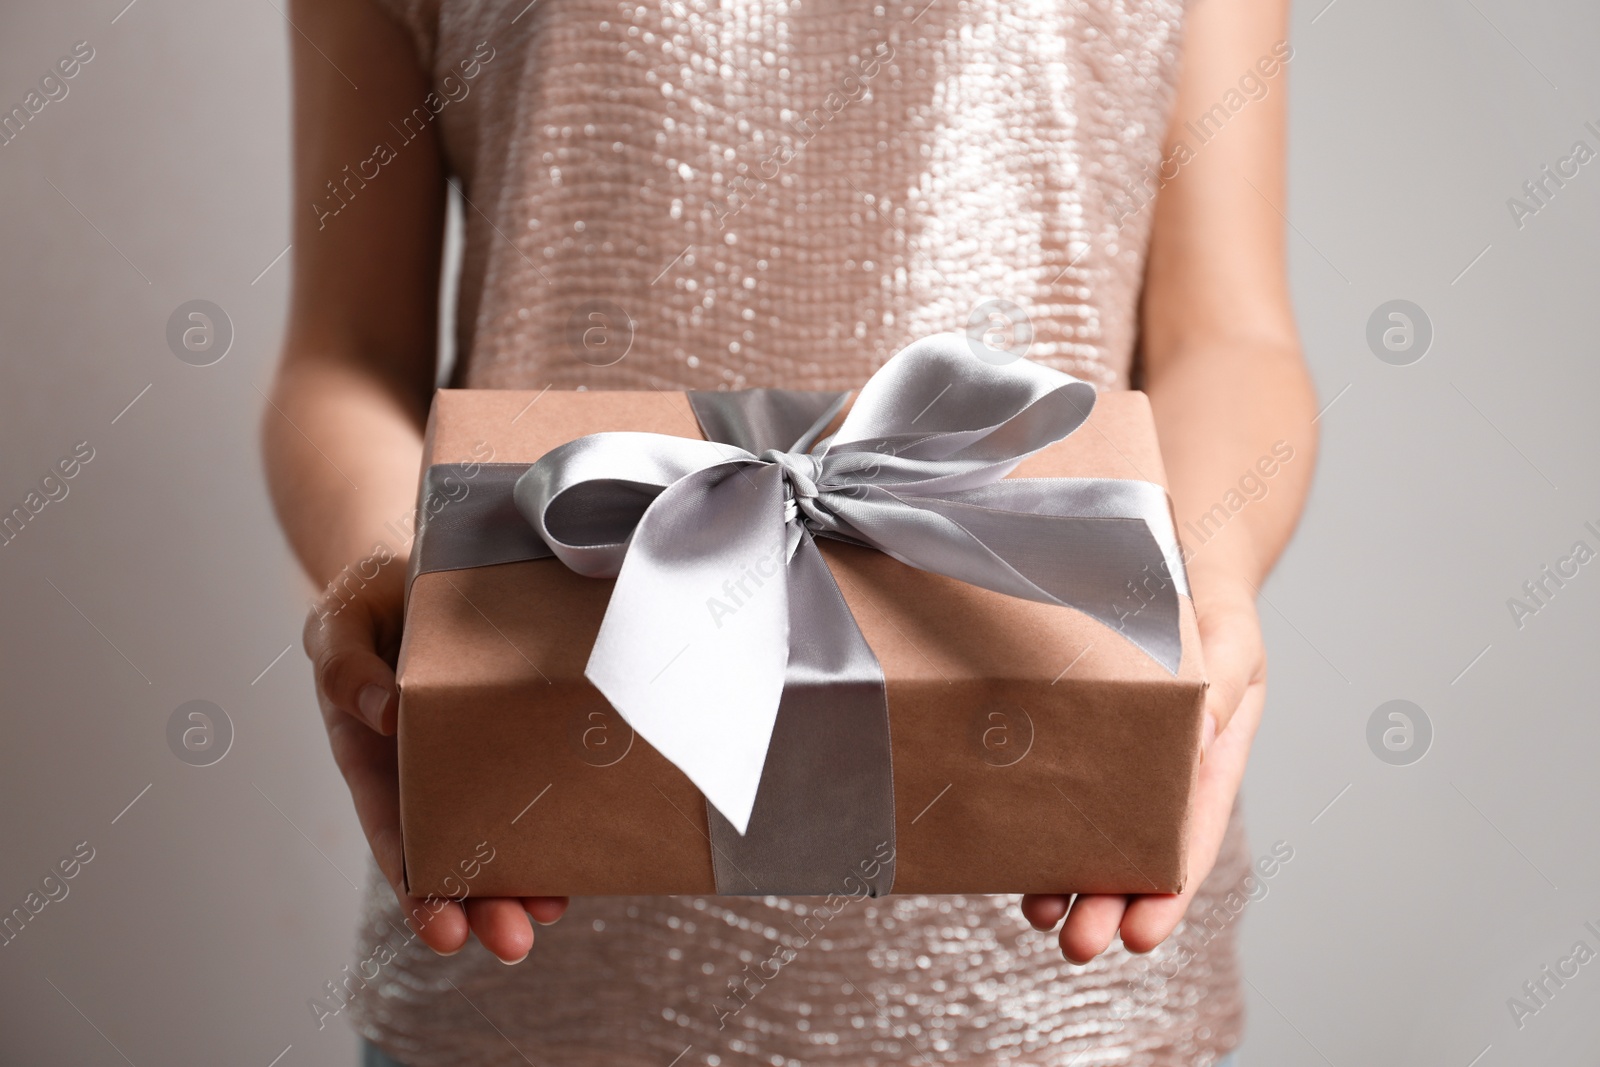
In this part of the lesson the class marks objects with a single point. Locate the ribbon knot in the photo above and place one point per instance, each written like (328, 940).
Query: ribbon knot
(801, 472)
(698, 646)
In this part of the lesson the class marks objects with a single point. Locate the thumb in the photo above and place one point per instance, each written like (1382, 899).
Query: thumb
(1230, 642)
(341, 640)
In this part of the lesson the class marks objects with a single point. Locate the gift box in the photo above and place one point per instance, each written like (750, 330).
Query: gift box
(974, 692)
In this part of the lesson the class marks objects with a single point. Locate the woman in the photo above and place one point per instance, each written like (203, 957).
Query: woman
(760, 193)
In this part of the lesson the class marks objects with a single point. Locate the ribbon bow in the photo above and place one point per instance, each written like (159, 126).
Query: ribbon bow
(724, 608)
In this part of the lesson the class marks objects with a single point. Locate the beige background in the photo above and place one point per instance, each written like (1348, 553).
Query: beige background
(1419, 898)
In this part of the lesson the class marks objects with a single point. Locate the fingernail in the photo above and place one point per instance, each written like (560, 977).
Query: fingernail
(371, 701)
(513, 963)
(452, 952)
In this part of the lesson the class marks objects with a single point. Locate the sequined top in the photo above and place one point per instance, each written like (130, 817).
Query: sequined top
(682, 194)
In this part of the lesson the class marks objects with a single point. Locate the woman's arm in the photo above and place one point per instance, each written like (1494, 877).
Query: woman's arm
(344, 435)
(1232, 401)
(1221, 354)
(343, 432)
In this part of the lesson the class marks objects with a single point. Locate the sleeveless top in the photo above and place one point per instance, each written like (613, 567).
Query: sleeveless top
(702, 194)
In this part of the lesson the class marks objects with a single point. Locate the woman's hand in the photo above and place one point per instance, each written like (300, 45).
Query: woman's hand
(1230, 640)
(352, 638)
(342, 433)
(1220, 361)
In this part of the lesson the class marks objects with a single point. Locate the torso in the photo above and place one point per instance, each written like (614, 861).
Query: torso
(767, 193)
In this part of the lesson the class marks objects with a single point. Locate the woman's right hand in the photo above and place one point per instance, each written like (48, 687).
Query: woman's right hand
(352, 636)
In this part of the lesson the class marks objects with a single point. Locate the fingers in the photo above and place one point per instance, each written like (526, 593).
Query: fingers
(1044, 910)
(1235, 658)
(1236, 667)
(359, 700)
(1090, 926)
(440, 924)
(545, 910)
(502, 925)
(341, 640)
(1150, 920)
(1093, 920)
(367, 762)
(356, 690)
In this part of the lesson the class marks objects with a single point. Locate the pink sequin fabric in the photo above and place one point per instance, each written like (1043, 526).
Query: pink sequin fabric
(739, 193)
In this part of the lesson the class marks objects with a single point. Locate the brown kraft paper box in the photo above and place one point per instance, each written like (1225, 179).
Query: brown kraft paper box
(1034, 748)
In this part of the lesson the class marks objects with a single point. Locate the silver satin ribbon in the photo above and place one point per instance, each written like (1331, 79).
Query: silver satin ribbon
(727, 644)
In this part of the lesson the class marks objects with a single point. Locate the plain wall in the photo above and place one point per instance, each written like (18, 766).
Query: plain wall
(1420, 898)
(1423, 899)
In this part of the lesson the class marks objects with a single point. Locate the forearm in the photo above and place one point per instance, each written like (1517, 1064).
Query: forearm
(1237, 438)
(1219, 349)
(342, 453)
(342, 435)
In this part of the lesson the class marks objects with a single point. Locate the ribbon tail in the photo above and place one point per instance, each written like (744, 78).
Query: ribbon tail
(1105, 498)
(1108, 566)
(823, 821)
(1111, 569)
(693, 646)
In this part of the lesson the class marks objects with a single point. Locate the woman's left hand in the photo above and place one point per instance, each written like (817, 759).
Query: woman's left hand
(1230, 640)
